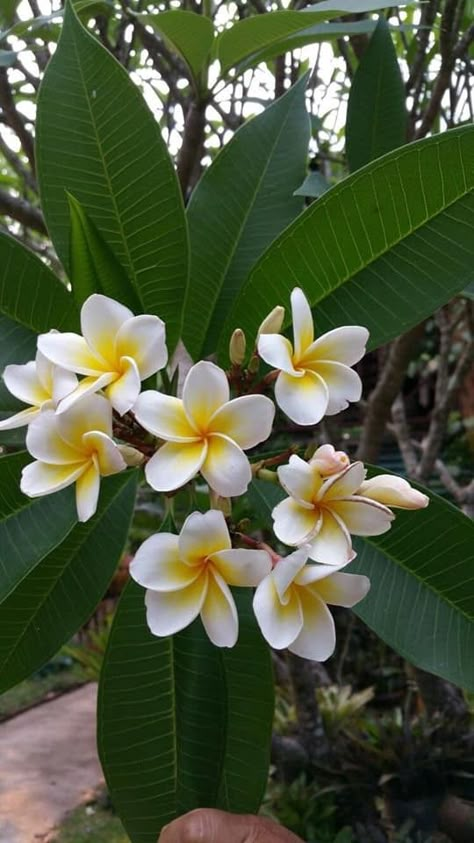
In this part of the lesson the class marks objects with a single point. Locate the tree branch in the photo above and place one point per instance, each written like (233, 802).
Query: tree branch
(22, 212)
(14, 119)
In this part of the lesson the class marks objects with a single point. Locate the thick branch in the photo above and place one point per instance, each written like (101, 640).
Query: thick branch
(22, 211)
(193, 140)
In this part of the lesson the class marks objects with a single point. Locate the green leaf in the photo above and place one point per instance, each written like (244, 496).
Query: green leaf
(182, 724)
(29, 292)
(376, 114)
(29, 527)
(97, 140)
(468, 291)
(384, 248)
(421, 600)
(190, 34)
(17, 345)
(261, 32)
(257, 173)
(7, 11)
(61, 592)
(314, 185)
(93, 266)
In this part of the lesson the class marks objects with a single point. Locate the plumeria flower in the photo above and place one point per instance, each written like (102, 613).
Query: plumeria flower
(204, 431)
(393, 491)
(116, 352)
(189, 575)
(38, 383)
(328, 461)
(315, 377)
(72, 447)
(325, 511)
(290, 604)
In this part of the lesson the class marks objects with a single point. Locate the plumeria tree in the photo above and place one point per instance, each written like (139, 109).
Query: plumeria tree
(198, 353)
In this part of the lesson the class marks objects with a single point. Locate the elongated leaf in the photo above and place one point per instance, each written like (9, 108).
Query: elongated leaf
(61, 592)
(29, 527)
(239, 206)
(29, 292)
(97, 140)
(383, 248)
(94, 267)
(189, 33)
(252, 36)
(17, 345)
(376, 113)
(174, 713)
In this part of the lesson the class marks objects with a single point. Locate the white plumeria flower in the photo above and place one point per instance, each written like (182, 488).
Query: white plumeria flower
(290, 604)
(116, 352)
(189, 575)
(315, 377)
(204, 431)
(39, 383)
(323, 512)
(72, 447)
(393, 491)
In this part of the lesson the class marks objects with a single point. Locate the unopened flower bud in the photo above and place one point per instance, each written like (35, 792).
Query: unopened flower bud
(131, 456)
(220, 503)
(273, 322)
(254, 364)
(237, 346)
(393, 491)
(328, 461)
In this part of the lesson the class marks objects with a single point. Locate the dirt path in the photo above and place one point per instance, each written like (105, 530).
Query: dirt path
(48, 761)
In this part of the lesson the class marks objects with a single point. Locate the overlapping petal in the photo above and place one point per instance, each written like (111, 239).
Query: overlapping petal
(303, 329)
(202, 535)
(158, 564)
(174, 464)
(317, 638)
(101, 320)
(280, 623)
(342, 589)
(40, 478)
(71, 352)
(393, 491)
(332, 543)
(93, 413)
(23, 382)
(344, 484)
(104, 449)
(205, 389)
(169, 612)
(87, 491)
(300, 480)
(363, 517)
(342, 345)
(164, 416)
(277, 351)
(225, 467)
(242, 567)
(87, 387)
(303, 399)
(293, 523)
(125, 389)
(247, 420)
(143, 339)
(45, 443)
(219, 614)
(343, 385)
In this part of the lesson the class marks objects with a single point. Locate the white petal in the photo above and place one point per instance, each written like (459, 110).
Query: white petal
(342, 589)
(363, 517)
(143, 338)
(300, 480)
(343, 385)
(343, 484)
(312, 573)
(303, 329)
(247, 420)
(157, 564)
(226, 468)
(280, 624)
(205, 390)
(87, 386)
(101, 319)
(294, 524)
(332, 545)
(317, 638)
(218, 613)
(39, 478)
(109, 458)
(277, 351)
(287, 570)
(124, 391)
(45, 443)
(20, 419)
(91, 413)
(393, 491)
(174, 464)
(328, 461)
(23, 382)
(63, 383)
(343, 345)
(304, 400)
(242, 567)
(164, 416)
(203, 534)
(87, 493)
(71, 352)
(169, 612)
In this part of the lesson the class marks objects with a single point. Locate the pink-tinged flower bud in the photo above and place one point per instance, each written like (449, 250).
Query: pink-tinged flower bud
(273, 322)
(237, 346)
(328, 461)
(393, 491)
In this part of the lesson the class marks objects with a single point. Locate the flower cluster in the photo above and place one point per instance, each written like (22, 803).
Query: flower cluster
(87, 418)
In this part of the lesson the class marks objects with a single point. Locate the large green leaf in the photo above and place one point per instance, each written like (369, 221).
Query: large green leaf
(240, 205)
(253, 36)
(97, 140)
(29, 292)
(384, 248)
(189, 33)
(61, 592)
(29, 527)
(182, 724)
(376, 113)
(17, 345)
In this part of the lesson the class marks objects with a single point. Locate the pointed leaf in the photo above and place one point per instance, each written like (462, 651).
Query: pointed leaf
(53, 601)
(257, 172)
(97, 140)
(376, 113)
(17, 345)
(189, 33)
(384, 248)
